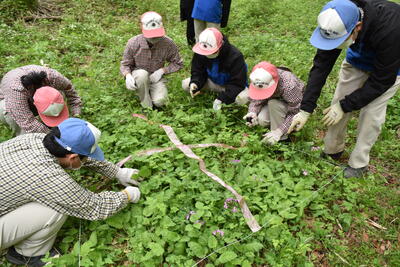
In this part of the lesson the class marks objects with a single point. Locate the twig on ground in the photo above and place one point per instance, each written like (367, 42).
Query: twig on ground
(376, 225)
(341, 258)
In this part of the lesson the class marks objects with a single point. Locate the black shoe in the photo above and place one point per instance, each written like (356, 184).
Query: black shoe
(15, 258)
(350, 172)
(285, 141)
(334, 156)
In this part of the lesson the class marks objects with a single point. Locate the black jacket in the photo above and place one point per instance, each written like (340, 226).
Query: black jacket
(186, 8)
(380, 33)
(232, 62)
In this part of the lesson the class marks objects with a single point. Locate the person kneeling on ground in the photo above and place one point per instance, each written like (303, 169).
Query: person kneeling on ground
(144, 58)
(218, 66)
(16, 97)
(37, 194)
(275, 96)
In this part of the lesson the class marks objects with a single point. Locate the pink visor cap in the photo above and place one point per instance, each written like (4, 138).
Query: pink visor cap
(210, 41)
(263, 81)
(50, 105)
(152, 25)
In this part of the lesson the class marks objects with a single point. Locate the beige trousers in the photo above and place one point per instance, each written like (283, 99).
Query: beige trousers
(31, 229)
(273, 114)
(370, 120)
(241, 99)
(7, 119)
(200, 25)
(149, 93)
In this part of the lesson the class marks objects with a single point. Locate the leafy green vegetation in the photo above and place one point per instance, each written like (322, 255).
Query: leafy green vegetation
(309, 213)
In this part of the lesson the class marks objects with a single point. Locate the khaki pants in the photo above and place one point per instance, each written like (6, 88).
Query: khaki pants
(273, 113)
(31, 229)
(200, 25)
(370, 119)
(7, 119)
(149, 93)
(241, 99)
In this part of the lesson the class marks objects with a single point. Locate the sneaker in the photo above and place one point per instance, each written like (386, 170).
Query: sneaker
(350, 172)
(335, 156)
(15, 258)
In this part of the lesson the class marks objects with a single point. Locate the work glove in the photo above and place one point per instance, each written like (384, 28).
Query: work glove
(251, 119)
(298, 121)
(333, 114)
(272, 137)
(124, 176)
(130, 82)
(133, 194)
(156, 76)
(194, 90)
(217, 104)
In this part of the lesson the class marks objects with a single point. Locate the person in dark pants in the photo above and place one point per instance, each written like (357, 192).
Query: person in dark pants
(203, 14)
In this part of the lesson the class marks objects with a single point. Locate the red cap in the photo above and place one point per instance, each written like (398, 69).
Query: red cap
(210, 41)
(51, 106)
(152, 25)
(263, 81)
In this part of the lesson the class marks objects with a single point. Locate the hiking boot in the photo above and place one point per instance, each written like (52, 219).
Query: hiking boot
(335, 156)
(350, 172)
(36, 261)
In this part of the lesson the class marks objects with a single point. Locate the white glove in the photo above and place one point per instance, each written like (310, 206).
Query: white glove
(333, 114)
(251, 119)
(133, 194)
(156, 76)
(298, 121)
(130, 82)
(272, 137)
(194, 90)
(217, 104)
(124, 176)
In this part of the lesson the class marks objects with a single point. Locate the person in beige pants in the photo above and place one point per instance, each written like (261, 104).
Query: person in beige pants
(369, 31)
(370, 119)
(37, 194)
(144, 62)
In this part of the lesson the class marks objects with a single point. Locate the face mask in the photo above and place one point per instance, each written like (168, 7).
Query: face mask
(72, 168)
(154, 40)
(213, 55)
(346, 44)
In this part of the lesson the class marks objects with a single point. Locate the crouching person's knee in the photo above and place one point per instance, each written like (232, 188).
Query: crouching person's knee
(243, 97)
(141, 76)
(185, 84)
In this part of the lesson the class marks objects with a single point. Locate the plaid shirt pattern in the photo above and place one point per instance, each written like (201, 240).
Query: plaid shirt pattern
(29, 173)
(290, 89)
(16, 96)
(138, 55)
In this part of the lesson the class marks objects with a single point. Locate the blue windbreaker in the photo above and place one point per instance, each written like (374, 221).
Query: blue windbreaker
(207, 10)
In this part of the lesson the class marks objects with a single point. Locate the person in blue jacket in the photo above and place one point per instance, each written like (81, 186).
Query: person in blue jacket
(202, 14)
(220, 67)
(369, 76)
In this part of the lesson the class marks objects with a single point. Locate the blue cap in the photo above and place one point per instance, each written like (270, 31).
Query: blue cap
(80, 137)
(336, 22)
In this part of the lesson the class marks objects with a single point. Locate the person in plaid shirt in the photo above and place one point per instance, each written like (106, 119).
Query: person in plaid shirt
(275, 96)
(37, 194)
(144, 58)
(17, 89)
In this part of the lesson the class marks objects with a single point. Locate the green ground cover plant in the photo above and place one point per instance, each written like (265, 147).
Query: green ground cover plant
(310, 215)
